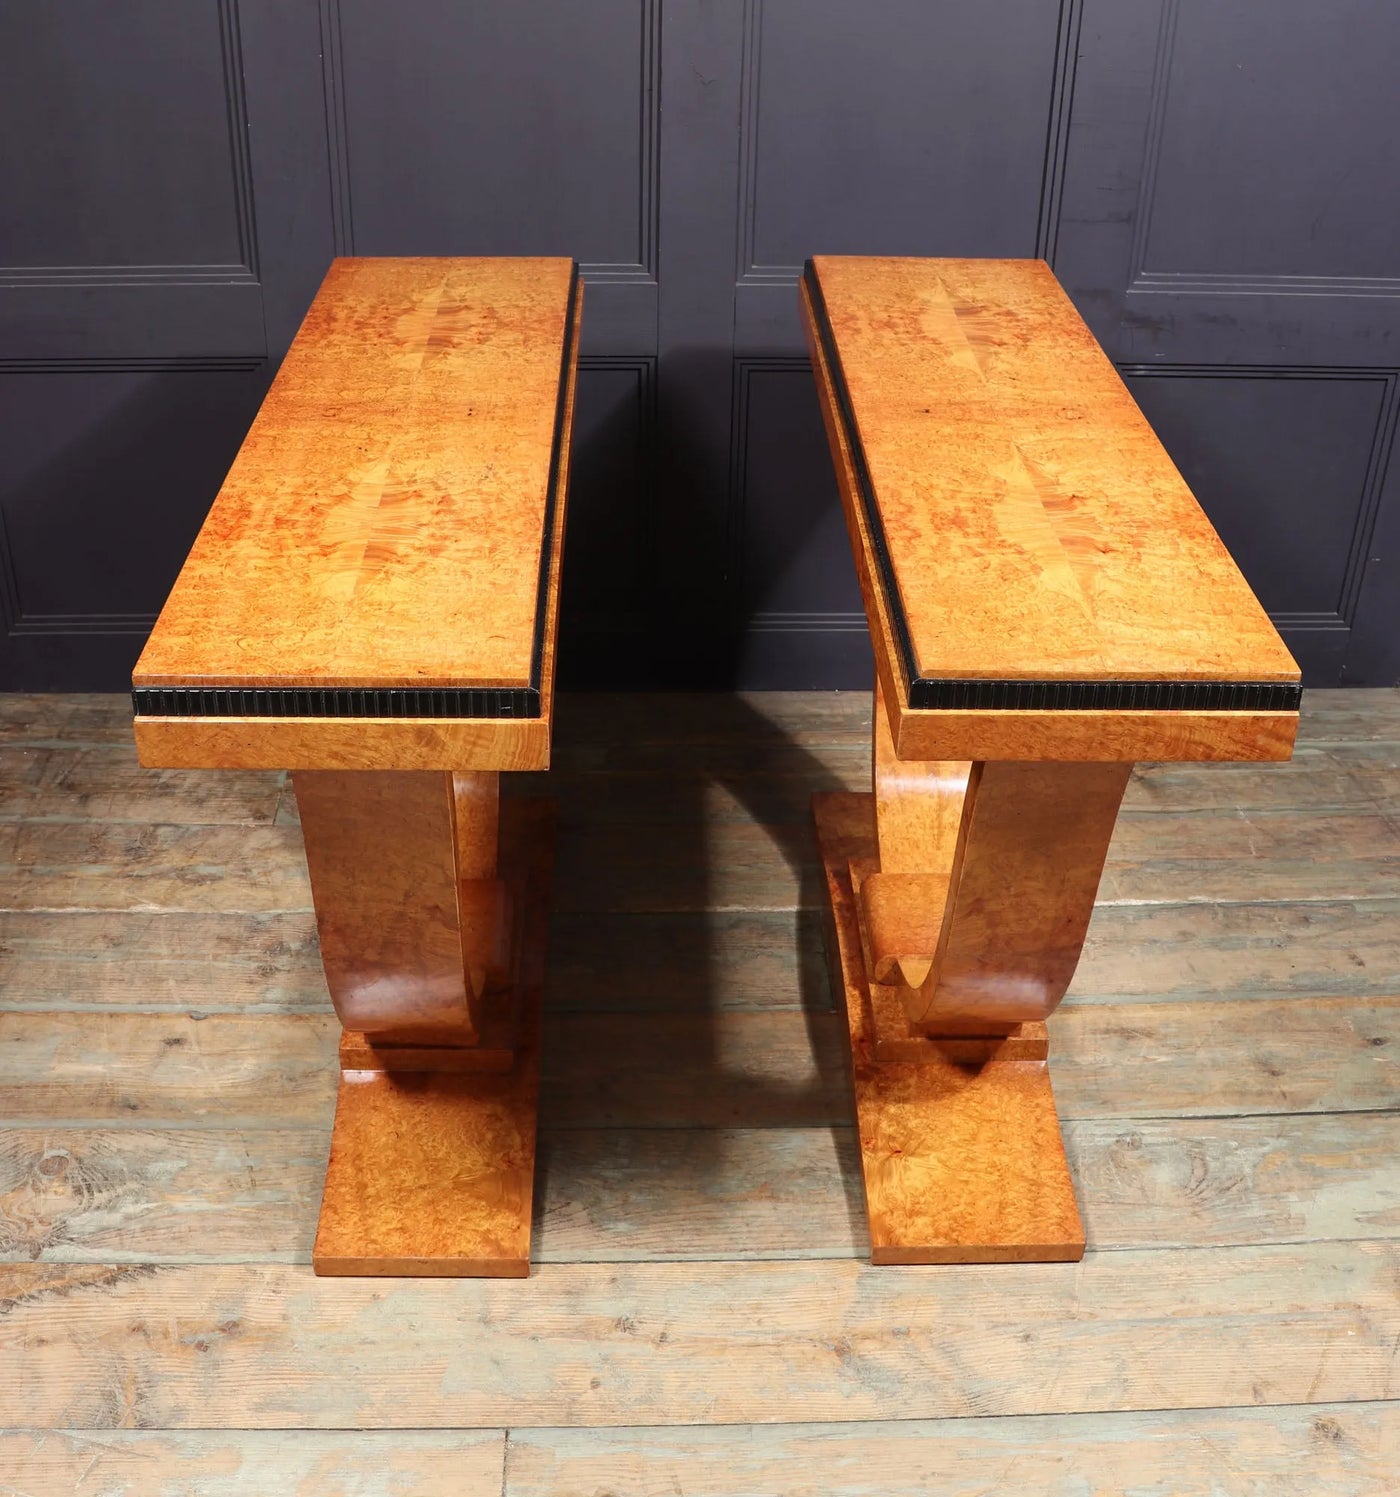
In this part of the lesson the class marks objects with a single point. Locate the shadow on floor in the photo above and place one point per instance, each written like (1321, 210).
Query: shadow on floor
(679, 946)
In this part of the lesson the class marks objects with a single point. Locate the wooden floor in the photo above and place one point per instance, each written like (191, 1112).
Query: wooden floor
(700, 1319)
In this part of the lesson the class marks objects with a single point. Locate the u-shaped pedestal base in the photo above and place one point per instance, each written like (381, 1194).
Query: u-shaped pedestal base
(962, 1155)
(432, 1170)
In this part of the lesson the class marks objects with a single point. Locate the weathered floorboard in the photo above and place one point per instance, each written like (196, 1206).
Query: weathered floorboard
(206, 962)
(1209, 856)
(695, 1343)
(35, 720)
(1342, 716)
(1226, 1066)
(109, 866)
(243, 1463)
(1155, 858)
(729, 1068)
(153, 959)
(1326, 1450)
(92, 1195)
(1269, 949)
(107, 784)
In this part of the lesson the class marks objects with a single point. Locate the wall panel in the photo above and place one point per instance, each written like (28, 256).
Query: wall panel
(1211, 179)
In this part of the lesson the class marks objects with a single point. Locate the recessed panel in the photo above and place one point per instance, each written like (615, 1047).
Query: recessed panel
(1278, 150)
(606, 546)
(495, 129)
(797, 557)
(105, 477)
(116, 124)
(1280, 465)
(898, 127)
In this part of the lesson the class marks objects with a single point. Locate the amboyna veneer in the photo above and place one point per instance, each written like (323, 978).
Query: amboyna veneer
(372, 603)
(1047, 603)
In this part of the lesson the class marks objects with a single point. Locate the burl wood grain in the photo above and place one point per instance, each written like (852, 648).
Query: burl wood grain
(432, 1172)
(382, 524)
(918, 817)
(414, 923)
(1096, 737)
(346, 742)
(1036, 528)
(1030, 855)
(962, 1162)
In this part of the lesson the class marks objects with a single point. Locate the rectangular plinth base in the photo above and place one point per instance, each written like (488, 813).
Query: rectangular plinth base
(432, 1171)
(963, 1162)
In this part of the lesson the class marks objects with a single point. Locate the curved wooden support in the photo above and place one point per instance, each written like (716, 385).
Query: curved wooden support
(414, 921)
(1030, 854)
(986, 880)
(918, 814)
(433, 953)
(960, 1147)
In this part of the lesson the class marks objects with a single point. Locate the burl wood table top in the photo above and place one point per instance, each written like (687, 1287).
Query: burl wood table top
(386, 544)
(384, 522)
(1025, 542)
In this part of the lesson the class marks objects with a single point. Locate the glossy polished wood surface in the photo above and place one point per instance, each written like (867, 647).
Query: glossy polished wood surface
(918, 819)
(400, 743)
(1030, 854)
(1036, 528)
(382, 523)
(961, 1157)
(1121, 735)
(1098, 737)
(432, 1169)
(345, 742)
(414, 923)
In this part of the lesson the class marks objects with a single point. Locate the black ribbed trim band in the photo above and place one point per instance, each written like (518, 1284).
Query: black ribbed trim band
(335, 701)
(391, 702)
(941, 694)
(1107, 696)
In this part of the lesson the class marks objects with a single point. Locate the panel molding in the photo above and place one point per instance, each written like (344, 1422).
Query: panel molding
(639, 272)
(337, 143)
(1193, 283)
(736, 552)
(19, 625)
(1141, 280)
(1057, 128)
(771, 621)
(139, 624)
(1373, 484)
(643, 271)
(236, 106)
(20, 277)
(595, 623)
(748, 272)
(245, 271)
(14, 621)
(193, 363)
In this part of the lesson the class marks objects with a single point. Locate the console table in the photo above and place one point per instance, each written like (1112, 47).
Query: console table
(1047, 604)
(372, 604)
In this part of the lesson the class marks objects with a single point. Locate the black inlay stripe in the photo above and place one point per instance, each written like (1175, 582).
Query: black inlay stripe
(551, 503)
(336, 701)
(973, 694)
(1106, 696)
(391, 702)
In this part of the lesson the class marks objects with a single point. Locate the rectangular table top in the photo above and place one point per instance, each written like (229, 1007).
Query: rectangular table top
(388, 522)
(377, 584)
(1031, 544)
